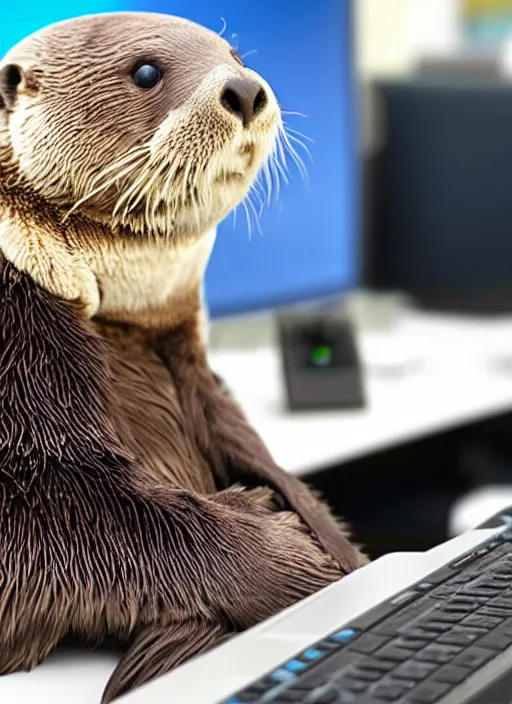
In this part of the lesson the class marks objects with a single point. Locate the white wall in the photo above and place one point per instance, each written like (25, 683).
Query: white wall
(391, 34)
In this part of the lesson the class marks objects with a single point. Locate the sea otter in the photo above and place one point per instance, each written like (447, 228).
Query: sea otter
(136, 502)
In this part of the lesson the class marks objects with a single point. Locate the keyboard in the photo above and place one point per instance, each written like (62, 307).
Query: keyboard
(443, 639)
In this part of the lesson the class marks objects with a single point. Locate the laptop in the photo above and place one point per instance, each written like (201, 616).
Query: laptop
(418, 628)
(411, 628)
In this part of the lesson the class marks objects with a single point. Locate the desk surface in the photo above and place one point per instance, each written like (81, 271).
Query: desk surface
(429, 374)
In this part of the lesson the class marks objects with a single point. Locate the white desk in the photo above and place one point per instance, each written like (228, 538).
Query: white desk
(452, 376)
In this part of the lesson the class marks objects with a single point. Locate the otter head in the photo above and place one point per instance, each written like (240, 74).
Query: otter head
(126, 131)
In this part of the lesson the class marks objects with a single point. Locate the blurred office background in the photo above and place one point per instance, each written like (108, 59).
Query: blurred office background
(400, 111)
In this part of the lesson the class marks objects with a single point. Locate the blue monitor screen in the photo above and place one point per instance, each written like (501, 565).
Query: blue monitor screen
(306, 242)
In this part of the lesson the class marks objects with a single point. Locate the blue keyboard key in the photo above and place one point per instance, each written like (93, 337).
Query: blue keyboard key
(282, 675)
(313, 654)
(295, 666)
(344, 636)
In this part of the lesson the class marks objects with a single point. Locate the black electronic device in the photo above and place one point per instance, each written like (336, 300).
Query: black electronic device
(439, 200)
(320, 361)
(447, 638)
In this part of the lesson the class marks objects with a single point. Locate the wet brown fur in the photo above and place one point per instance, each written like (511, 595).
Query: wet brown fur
(121, 454)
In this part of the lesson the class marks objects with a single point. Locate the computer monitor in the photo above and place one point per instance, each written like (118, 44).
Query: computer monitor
(441, 205)
(306, 242)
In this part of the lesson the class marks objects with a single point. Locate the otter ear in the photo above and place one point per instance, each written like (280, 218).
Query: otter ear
(11, 76)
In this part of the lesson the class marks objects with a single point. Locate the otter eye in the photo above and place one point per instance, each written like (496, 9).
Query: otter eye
(147, 76)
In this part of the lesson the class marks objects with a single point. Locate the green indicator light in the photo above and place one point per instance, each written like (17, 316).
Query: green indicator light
(321, 355)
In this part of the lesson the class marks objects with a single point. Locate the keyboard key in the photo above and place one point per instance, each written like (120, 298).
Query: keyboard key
(461, 603)
(474, 657)
(415, 670)
(404, 598)
(328, 645)
(430, 623)
(282, 675)
(464, 609)
(419, 633)
(327, 697)
(378, 665)
(391, 690)
(462, 636)
(452, 674)
(438, 653)
(499, 611)
(352, 685)
(493, 582)
(313, 654)
(429, 692)
(363, 675)
(409, 644)
(345, 636)
(394, 653)
(450, 615)
(463, 578)
(482, 592)
(486, 622)
(441, 575)
(369, 643)
(496, 640)
(425, 586)
(504, 600)
(296, 665)
(464, 560)
(288, 697)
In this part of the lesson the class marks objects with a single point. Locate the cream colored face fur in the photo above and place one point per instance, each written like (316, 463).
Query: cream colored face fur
(158, 168)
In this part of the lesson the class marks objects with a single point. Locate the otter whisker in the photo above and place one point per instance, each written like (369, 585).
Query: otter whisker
(131, 156)
(259, 191)
(248, 53)
(257, 215)
(224, 27)
(235, 212)
(151, 195)
(299, 134)
(300, 143)
(299, 162)
(186, 181)
(129, 193)
(273, 173)
(148, 192)
(99, 189)
(250, 212)
(293, 112)
(280, 163)
(248, 218)
(268, 180)
(174, 172)
(133, 190)
(130, 161)
(152, 174)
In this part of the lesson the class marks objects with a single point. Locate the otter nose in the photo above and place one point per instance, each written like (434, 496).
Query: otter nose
(244, 97)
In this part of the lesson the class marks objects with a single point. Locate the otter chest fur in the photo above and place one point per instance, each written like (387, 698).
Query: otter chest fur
(146, 409)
